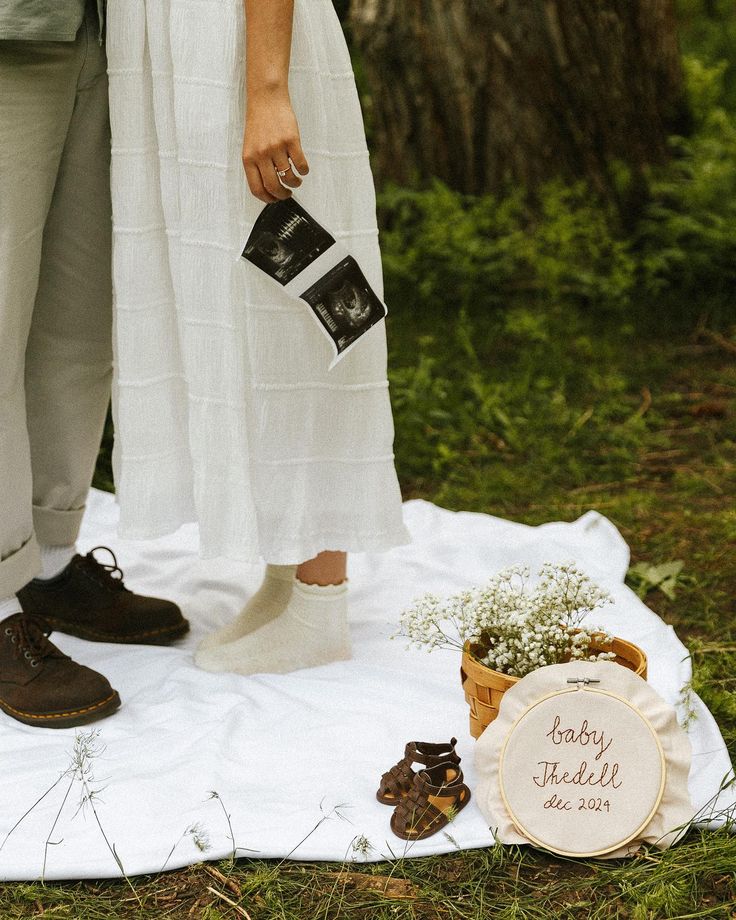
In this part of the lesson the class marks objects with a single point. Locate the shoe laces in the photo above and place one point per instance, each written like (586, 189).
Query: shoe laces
(29, 636)
(107, 574)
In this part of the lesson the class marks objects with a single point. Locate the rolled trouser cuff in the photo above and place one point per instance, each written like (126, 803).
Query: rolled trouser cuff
(57, 528)
(19, 568)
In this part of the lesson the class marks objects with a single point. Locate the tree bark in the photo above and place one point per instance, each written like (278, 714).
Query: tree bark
(483, 93)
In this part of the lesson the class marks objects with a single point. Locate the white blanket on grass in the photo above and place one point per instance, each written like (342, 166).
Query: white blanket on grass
(295, 760)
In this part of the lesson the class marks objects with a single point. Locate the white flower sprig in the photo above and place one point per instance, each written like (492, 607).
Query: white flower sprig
(515, 626)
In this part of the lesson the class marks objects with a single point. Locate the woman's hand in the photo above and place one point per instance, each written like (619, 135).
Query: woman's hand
(272, 145)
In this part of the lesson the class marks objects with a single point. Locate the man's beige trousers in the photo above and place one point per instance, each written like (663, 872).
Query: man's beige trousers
(55, 291)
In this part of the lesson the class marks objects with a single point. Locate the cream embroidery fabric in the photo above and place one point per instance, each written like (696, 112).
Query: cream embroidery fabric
(224, 408)
(675, 809)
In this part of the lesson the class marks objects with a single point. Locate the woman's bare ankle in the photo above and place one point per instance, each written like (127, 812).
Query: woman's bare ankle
(328, 568)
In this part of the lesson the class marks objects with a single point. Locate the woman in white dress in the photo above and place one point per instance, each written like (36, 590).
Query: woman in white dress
(225, 411)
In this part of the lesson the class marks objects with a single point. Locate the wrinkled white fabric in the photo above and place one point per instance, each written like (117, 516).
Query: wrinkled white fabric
(283, 751)
(225, 411)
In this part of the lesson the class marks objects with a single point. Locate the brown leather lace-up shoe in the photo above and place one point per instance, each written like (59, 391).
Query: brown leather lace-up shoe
(40, 685)
(89, 600)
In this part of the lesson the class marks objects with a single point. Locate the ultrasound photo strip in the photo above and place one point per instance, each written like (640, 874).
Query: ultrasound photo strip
(296, 251)
(344, 304)
(286, 239)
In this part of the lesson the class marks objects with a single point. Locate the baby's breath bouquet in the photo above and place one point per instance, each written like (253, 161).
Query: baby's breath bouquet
(513, 624)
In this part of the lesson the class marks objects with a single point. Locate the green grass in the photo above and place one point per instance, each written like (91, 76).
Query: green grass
(615, 416)
(692, 880)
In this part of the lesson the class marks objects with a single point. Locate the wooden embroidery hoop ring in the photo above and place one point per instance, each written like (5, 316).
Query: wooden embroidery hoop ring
(662, 760)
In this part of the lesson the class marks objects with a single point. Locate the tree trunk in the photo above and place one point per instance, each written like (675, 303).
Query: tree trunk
(483, 93)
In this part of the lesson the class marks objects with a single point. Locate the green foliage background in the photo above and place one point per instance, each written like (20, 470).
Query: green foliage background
(515, 323)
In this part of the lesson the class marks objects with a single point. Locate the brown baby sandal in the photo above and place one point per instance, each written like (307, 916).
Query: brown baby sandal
(88, 599)
(436, 796)
(396, 782)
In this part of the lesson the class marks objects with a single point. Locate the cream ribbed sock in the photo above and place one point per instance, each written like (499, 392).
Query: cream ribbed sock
(311, 631)
(268, 602)
(54, 559)
(9, 606)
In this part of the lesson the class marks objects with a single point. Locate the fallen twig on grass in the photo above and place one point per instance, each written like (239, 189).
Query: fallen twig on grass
(393, 888)
(241, 910)
(718, 339)
(707, 649)
(197, 904)
(223, 879)
(646, 402)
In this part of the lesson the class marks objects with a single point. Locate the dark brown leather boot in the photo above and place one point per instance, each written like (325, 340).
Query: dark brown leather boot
(89, 600)
(40, 685)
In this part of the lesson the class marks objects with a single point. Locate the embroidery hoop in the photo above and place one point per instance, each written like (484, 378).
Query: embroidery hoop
(675, 810)
(556, 695)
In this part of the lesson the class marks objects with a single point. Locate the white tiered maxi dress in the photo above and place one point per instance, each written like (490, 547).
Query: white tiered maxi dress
(225, 411)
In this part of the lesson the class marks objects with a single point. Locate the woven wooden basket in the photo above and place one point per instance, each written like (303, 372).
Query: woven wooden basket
(484, 688)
